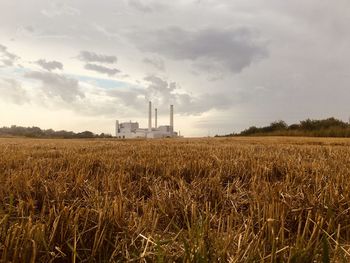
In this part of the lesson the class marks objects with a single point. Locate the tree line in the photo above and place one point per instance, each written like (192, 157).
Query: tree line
(36, 132)
(330, 127)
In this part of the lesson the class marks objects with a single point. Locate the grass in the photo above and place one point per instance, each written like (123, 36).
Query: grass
(187, 200)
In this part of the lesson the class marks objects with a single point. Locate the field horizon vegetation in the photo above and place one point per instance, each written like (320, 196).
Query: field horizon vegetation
(241, 199)
(329, 127)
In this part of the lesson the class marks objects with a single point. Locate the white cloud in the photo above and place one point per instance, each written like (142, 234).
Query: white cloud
(58, 9)
(12, 91)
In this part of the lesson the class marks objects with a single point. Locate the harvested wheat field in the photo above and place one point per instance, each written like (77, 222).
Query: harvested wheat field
(186, 200)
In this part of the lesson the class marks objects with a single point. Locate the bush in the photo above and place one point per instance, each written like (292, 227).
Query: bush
(330, 127)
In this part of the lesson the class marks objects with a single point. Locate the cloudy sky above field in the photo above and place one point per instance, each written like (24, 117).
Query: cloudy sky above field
(225, 65)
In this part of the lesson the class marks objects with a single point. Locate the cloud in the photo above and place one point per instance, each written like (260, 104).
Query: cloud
(87, 56)
(59, 9)
(163, 93)
(101, 69)
(150, 7)
(132, 98)
(49, 65)
(56, 85)
(138, 5)
(11, 90)
(156, 62)
(6, 58)
(231, 49)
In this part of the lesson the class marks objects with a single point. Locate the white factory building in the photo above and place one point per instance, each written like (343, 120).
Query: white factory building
(129, 130)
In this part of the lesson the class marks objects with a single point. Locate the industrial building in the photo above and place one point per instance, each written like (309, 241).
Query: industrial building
(129, 130)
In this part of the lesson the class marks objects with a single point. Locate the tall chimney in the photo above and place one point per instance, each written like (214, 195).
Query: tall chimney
(149, 116)
(155, 118)
(116, 128)
(171, 119)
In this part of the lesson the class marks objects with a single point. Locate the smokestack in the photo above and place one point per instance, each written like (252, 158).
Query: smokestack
(149, 116)
(155, 118)
(116, 128)
(171, 119)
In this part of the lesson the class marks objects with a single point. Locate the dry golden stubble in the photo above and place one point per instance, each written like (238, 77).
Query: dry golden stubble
(203, 200)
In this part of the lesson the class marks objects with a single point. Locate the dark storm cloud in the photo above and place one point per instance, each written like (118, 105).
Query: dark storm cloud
(56, 85)
(101, 69)
(6, 58)
(230, 49)
(49, 65)
(11, 90)
(87, 56)
(155, 62)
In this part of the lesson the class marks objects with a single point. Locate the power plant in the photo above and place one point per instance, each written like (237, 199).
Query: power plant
(130, 130)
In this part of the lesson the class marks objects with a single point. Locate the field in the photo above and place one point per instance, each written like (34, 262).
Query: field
(188, 200)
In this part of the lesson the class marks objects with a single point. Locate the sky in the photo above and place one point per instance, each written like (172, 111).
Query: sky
(225, 65)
